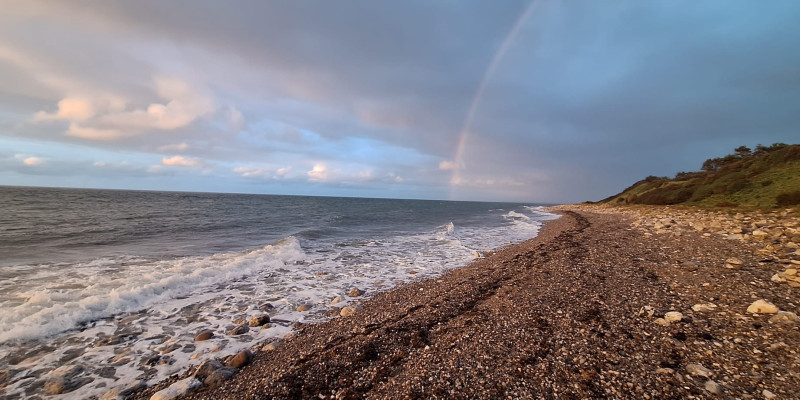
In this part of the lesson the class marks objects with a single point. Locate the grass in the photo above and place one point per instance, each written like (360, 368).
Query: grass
(767, 178)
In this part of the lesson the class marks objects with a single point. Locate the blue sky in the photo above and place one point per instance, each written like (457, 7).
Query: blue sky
(543, 101)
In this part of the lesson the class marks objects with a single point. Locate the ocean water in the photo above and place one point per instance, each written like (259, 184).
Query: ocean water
(119, 283)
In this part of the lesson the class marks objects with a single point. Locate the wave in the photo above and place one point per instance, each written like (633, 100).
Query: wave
(98, 292)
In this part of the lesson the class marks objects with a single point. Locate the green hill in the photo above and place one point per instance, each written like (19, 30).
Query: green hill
(766, 177)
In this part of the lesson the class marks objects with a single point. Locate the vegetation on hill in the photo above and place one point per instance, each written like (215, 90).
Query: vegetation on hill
(765, 177)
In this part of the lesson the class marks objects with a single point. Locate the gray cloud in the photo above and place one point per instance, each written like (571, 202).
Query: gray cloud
(588, 98)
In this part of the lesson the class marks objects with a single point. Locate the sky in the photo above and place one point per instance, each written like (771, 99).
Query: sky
(529, 101)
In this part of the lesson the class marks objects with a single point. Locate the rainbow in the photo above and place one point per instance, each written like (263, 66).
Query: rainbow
(498, 56)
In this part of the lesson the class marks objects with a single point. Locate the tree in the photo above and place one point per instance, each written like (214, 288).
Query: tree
(742, 151)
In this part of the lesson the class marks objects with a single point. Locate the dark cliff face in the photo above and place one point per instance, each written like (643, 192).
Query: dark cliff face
(766, 177)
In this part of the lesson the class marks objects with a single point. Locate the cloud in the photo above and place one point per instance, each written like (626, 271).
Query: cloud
(181, 161)
(70, 109)
(33, 161)
(173, 147)
(447, 165)
(78, 131)
(320, 173)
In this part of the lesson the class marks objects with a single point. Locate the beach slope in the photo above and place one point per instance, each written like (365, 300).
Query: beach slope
(598, 305)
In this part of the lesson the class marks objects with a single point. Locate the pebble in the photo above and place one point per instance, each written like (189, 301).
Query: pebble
(241, 359)
(698, 370)
(303, 307)
(178, 389)
(784, 317)
(270, 346)
(704, 307)
(259, 320)
(355, 292)
(347, 311)
(62, 379)
(336, 300)
(673, 316)
(204, 335)
(123, 391)
(239, 330)
(768, 395)
(713, 387)
(762, 307)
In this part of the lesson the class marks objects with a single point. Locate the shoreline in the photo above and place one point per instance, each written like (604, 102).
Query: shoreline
(580, 310)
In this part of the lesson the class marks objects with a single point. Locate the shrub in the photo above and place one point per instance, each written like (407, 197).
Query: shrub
(726, 204)
(788, 198)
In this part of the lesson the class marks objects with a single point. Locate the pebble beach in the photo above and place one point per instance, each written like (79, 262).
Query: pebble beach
(651, 302)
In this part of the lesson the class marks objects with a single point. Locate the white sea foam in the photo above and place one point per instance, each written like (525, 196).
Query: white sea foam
(123, 311)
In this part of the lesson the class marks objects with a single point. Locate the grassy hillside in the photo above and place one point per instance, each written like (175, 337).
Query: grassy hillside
(766, 177)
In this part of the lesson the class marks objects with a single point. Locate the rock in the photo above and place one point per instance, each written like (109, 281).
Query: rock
(271, 346)
(704, 307)
(218, 376)
(734, 260)
(239, 330)
(347, 311)
(661, 321)
(768, 395)
(259, 320)
(713, 387)
(241, 359)
(759, 234)
(336, 300)
(355, 292)
(121, 392)
(303, 307)
(203, 336)
(206, 368)
(784, 317)
(673, 316)
(762, 307)
(665, 371)
(778, 278)
(240, 321)
(790, 271)
(170, 348)
(698, 370)
(64, 379)
(178, 389)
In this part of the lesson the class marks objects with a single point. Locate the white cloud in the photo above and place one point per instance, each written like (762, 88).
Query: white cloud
(70, 109)
(320, 173)
(181, 161)
(447, 165)
(76, 130)
(33, 161)
(173, 147)
(104, 116)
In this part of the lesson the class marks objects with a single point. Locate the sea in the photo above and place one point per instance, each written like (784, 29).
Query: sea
(105, 289)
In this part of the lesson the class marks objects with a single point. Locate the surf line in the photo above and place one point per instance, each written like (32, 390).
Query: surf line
(455, 179)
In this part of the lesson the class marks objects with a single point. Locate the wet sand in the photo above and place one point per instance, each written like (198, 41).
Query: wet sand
(577, 312)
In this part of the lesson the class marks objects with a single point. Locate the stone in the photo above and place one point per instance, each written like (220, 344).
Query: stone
(673, 316)
(759, 234)
(218, 376)
(303, 307)
(734, 261)
(661, 321)
(347, 311)
(178, 389)
(698, 370)
(240, 321)
(355, 292)
(762, 307)
(768, 395)
(778, 278)
(239, 330)
(203, 336)
(271, 346)
(123, 391)
(713, 387)
(64, 379)
(790, 271)
(206, 368)
(259, 320)
(336, 300)
(241, 359)
(704, 307)
(784, 317)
